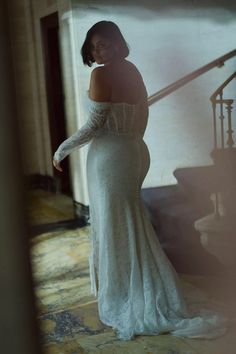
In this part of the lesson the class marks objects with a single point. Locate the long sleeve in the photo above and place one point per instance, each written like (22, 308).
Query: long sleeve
(98, 112)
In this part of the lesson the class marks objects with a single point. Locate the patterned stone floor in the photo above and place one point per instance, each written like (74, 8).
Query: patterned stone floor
(67, 312)
(47, 207)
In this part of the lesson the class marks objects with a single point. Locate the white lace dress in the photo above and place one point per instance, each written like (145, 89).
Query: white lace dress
(137, 288)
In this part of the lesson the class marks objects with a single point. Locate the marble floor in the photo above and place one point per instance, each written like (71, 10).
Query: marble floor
(67, 312)
(46, 207)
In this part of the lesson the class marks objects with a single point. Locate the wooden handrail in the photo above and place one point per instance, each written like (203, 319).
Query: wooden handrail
(219, 62)
(220, 89)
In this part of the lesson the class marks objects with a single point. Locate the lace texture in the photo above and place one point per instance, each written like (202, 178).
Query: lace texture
(98, 112)
(137, 288)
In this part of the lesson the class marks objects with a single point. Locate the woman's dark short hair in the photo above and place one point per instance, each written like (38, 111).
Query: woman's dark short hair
(108, 30)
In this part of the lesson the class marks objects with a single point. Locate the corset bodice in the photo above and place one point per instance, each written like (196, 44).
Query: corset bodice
(123, 118)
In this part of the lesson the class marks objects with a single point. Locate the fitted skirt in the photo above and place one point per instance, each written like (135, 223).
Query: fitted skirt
(137, 288)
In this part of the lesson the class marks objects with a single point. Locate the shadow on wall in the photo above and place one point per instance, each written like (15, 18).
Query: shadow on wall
(154, 7)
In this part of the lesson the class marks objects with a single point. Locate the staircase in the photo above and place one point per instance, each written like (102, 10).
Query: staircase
(178, 213)
(218, 230)
(173, 211)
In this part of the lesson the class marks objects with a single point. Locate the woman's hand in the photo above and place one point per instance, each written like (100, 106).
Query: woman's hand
(57, 165)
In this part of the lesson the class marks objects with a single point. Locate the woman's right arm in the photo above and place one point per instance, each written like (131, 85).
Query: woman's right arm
(97, 117)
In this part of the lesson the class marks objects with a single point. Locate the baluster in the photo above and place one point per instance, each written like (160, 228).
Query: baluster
(222, 117)
(217, 212)
(229, 107)
(214, 124)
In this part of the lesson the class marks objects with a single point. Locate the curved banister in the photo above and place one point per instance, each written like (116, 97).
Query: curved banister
(221, 87)
(184, 80)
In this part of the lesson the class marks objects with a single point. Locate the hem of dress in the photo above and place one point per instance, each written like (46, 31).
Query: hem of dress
(92, 273)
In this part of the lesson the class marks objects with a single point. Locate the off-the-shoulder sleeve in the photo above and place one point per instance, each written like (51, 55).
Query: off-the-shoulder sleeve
(98, 112)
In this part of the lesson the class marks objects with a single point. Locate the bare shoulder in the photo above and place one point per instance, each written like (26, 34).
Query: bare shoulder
(99, 85)
(123, 71)
(132, 67)
(130, 64)
(134, 74)
(98, 71)
(99, 75)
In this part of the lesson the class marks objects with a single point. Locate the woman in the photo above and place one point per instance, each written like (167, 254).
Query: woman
(138, 290)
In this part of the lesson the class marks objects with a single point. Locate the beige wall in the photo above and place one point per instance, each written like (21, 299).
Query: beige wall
(31, 111)
(31, 87)
(20, 49)
(165, 45)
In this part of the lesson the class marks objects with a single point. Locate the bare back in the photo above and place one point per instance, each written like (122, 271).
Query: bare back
(126, 84)
(118, 82)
